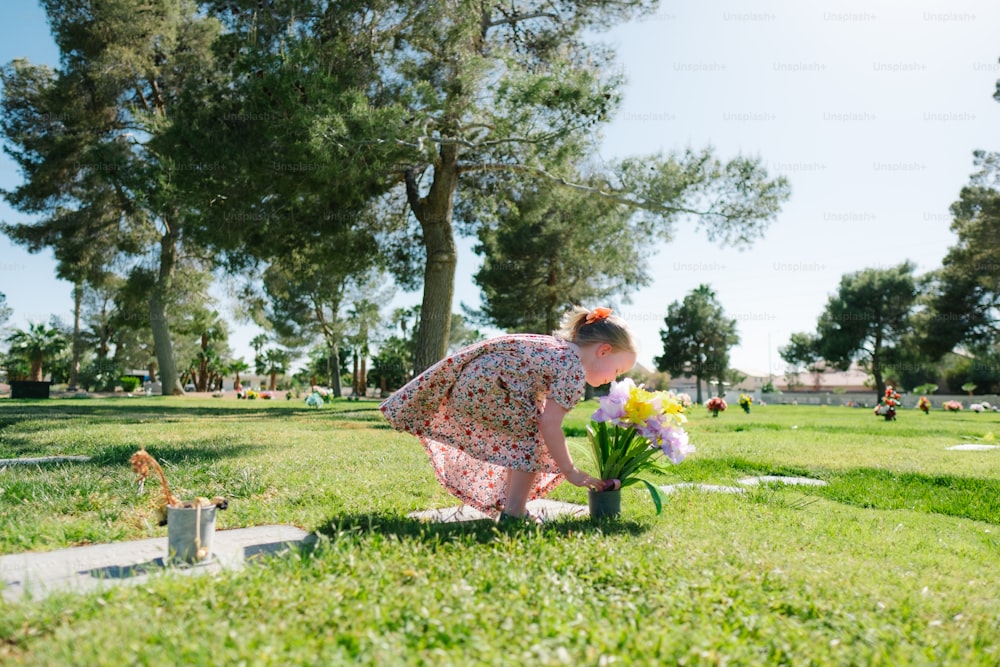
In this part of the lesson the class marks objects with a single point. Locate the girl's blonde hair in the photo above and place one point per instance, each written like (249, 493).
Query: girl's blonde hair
(609, 329)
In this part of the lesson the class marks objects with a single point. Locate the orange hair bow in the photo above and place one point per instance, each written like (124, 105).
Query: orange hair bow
(598, 313)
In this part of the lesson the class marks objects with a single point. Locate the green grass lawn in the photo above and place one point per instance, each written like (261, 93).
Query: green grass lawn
(895, 562)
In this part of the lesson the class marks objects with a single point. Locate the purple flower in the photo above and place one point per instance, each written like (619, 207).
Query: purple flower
(674, 444)
(612, 406)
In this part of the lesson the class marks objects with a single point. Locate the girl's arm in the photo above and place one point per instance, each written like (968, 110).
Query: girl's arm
(550, 426)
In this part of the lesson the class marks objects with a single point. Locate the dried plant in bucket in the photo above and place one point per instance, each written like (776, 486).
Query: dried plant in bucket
(143, 463)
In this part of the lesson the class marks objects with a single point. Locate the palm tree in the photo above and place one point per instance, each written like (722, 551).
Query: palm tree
(35, 345)
(238, 366)
(275, 362)
(257, 343)
(365, 316)
(211, 329)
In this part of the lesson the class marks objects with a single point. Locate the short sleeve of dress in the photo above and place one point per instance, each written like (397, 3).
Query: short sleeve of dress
(567, 379)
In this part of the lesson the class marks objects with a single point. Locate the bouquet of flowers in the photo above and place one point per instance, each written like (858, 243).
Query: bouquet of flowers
(716, 404)
(887, 406)
(745, 402)
(632, 430)
(324, 393)
(952, 406)
(924, 404)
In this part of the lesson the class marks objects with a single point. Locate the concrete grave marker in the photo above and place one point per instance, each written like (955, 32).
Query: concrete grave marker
(971, 447)
(708, 488)
(781, 479)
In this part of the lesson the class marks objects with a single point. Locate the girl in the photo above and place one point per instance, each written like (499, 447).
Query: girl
(490, 416)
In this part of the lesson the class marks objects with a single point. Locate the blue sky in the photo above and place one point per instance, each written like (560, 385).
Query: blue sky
(872, 110)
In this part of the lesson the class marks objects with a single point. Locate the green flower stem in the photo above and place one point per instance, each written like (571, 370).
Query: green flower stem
(621, 453)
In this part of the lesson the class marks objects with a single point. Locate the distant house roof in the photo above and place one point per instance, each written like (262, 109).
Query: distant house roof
(853, 379)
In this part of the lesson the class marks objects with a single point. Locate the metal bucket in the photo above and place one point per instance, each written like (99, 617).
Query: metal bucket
(189, 533)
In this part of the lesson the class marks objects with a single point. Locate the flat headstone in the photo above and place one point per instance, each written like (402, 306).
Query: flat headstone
(543, 508)
(42, 459)
(449, 514)
(781, 479)
(709, 488)
(552, 509)
(99, 566)
(972, 447)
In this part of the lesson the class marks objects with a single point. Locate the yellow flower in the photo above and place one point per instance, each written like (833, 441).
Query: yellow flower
(671, 408)
(639, 406)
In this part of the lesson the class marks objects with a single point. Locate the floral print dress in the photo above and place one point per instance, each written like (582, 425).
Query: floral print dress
(476, 414)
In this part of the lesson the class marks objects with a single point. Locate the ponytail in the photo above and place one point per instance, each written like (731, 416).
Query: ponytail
(584, 327)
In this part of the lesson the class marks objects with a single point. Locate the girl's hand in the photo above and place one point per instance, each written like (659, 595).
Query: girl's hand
(577, 477)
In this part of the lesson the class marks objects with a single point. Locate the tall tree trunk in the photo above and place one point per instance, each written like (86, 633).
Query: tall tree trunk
(203, 364)
(879, 380)
(552, 315)
(363, 376)
(169, 378)
(332, 337)
(333, 357)
(74, 364)
(354, 372)
(697, 384)
(434, 213)
(877, 367)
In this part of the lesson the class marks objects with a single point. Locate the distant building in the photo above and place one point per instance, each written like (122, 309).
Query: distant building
(853, 379)
(753, 381)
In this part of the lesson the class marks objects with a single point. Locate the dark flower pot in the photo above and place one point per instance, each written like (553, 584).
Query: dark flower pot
(604, 504)
(29, 389)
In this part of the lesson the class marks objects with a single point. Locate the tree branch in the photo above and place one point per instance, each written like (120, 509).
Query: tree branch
(412, 192)
(517, 18)
(611, 195)
(621, 199)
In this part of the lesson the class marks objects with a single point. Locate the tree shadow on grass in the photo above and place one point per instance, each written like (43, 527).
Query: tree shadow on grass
(976, 498)
(972, 498)
(725, 466)
(119, 455)
(115, 410)
(482, 531)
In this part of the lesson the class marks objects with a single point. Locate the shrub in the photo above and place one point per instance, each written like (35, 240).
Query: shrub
(129, 383)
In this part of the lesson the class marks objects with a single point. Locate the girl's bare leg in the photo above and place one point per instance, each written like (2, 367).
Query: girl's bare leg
(519, 485)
